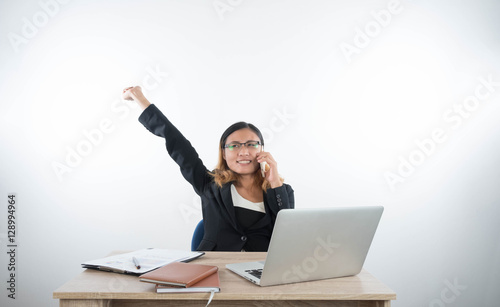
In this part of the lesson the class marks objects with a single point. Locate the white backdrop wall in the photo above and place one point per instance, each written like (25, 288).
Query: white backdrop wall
(385, 102)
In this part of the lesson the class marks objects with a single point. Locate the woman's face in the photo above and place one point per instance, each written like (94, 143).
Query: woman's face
(242, 160)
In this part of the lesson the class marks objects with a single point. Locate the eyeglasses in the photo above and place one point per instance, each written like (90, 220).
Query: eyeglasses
(250, 145)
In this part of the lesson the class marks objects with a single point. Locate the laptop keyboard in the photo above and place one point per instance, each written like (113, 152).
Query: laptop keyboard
(256, 273)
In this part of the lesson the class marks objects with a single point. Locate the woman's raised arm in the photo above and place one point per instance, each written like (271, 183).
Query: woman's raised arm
(135, 93)
(178, 147)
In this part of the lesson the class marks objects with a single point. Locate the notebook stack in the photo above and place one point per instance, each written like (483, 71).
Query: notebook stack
(178, 277)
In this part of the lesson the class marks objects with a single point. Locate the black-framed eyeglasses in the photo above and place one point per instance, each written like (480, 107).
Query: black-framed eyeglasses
(250, 145)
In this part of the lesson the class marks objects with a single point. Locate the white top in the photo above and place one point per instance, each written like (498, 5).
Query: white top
(239, 201)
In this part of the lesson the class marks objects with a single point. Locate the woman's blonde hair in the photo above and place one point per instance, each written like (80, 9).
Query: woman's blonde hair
(222, 174)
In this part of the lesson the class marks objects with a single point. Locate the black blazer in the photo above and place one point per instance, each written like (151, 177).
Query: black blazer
(222, 231)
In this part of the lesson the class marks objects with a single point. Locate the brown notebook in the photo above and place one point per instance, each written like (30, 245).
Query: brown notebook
(208, 284)
(179, 274)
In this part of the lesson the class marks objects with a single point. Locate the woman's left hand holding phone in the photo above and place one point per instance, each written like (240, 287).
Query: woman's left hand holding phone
(272, 174)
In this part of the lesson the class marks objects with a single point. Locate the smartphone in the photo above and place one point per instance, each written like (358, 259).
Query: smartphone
(263, 168)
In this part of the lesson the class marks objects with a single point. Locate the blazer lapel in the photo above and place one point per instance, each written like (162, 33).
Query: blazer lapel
(228, 203)
(266, 219)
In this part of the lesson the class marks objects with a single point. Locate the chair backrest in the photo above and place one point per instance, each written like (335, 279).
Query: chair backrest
(199, 231)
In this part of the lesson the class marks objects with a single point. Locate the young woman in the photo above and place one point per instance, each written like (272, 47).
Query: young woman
(239, 205)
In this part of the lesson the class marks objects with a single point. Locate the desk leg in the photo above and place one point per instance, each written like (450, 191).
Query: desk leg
(85, 303)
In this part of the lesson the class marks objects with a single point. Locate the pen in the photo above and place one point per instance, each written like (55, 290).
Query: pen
(136, 263)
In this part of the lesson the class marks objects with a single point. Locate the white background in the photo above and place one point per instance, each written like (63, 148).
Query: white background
(336, 123)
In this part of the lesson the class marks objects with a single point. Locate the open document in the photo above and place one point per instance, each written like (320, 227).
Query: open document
(140, 261)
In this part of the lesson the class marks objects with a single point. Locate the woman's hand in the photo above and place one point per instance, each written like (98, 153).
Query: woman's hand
(272, 174)
(134, 93)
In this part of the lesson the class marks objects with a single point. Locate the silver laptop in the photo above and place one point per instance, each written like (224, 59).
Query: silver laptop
(312, 244)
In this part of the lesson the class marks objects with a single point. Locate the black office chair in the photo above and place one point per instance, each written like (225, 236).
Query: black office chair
(199, 231)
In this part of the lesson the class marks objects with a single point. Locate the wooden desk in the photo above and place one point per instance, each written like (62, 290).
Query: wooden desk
(103, 289)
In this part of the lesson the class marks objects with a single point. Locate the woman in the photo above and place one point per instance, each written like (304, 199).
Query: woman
(239, 205)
